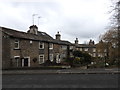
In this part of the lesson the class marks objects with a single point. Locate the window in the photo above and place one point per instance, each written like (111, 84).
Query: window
(86, 49)
(80, 49)
(71, 47)
(16, 44)
(64, 47)
(58, 58)
(77, 48)
(41, 45)
(94, 50)
(41, 59)
(51, 57)
(99, 55)
(50, 46)
(105, 50)
(105, 54)
(63, 55)
(94, 54)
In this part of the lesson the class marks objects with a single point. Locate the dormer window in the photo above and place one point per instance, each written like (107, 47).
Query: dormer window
(16, 44)
(41, 45)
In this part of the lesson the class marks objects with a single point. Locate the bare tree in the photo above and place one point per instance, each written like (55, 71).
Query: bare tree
(115, 10)
(112, 36)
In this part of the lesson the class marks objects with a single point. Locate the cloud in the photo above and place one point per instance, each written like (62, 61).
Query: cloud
(84, 19)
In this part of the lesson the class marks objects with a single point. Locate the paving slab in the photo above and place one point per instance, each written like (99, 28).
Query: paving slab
(64, 71)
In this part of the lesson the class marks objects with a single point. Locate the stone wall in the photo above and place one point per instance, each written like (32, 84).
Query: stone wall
(6, 61)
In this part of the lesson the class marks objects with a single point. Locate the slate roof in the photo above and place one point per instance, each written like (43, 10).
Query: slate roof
(41, 36)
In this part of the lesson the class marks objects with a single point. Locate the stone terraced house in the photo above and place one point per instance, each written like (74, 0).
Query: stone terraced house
(91, 48)
(31, 48)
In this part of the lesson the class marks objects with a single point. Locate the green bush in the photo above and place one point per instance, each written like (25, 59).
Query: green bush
(85, 57)
(77, 60)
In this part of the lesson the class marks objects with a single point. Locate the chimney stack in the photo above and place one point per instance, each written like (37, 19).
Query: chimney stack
(33, 29)
(58, 36)
(91, 42)
(76, 41)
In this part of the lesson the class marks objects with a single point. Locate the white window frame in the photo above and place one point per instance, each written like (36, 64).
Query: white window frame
(58, 58)
(94, 54)
(86, 49)
(50, 58)
(81, 49)
(18, 42)
(41, 44)
(94, 49)
(43, 58)
(63, 55)
(17, 60)
(105, 54)
(51, 45)
(28, 61)
(71, 47)
(105, 50)
(64, 47)
(77, 48)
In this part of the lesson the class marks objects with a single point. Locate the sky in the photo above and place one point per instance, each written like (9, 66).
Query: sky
(82, 19)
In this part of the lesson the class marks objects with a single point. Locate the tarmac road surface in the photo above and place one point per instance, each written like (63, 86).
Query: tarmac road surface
(60, 81)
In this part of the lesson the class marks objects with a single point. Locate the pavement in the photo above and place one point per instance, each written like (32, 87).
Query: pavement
(64, 71)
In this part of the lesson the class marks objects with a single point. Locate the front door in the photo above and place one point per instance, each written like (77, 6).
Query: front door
(26, 62)
(17, 60)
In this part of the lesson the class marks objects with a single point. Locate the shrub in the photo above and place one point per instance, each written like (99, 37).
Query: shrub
(77, 60)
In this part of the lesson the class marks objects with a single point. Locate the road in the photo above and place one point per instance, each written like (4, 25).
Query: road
(60, 81)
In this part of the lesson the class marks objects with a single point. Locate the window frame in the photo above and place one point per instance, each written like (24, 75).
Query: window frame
(94, 49)
(41, 44)
(40, 59)
(17, 58)
(94, 54)
(18, 44)
(51, 45)
(86, 49)
(50, 58)
(81, 49)
(64, 47)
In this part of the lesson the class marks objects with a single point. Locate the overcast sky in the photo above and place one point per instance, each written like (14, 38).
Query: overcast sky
(82, 19)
